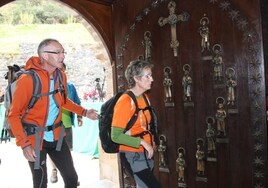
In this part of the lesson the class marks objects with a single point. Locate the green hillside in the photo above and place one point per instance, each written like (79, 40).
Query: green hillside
(12, 35)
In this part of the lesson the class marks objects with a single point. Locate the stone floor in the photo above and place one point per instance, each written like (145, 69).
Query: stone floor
(14, 170)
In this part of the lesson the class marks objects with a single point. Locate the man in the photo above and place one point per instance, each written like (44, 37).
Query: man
(39, 131)
(68, 121)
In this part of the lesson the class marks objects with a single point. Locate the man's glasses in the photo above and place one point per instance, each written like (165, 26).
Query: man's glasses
(52, 52)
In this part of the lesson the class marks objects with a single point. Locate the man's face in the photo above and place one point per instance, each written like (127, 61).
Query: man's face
(54, 55)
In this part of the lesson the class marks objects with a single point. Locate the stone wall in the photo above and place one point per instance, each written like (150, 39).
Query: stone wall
(85, 63)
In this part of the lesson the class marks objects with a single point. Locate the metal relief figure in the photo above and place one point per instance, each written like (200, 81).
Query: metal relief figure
(99, 87)
(220, 117)
(167, 84)
(187, 83)
(147, 43)
(162, 148)
(230, 84)
(204, 33)
(180, 165)
(211, 143)
(217, 62)
(173, 19)
(200, 157)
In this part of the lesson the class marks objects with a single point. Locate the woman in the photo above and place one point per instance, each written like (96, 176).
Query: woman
(136, 151)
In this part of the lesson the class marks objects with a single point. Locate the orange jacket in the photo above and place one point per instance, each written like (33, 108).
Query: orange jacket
(38, 114)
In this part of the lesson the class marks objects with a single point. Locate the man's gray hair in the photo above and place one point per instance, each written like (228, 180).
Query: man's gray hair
(43, 44)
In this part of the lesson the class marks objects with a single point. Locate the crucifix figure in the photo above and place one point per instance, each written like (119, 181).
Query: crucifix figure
(173, 19)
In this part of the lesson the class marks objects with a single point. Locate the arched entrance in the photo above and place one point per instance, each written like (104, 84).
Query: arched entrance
(102, 54)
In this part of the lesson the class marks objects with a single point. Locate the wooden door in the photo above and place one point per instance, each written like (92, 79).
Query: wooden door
(227, 78)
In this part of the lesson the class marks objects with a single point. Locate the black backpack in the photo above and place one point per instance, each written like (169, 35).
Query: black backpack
(106, 117)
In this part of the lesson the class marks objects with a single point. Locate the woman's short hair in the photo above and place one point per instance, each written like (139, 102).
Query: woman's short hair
(135, 68)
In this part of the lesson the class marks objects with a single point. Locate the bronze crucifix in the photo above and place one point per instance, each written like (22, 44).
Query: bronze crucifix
(173, 19)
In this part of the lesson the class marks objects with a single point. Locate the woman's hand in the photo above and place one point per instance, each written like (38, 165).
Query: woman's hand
(148, 148)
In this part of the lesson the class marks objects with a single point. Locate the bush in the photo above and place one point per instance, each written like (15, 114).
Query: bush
(26, 18)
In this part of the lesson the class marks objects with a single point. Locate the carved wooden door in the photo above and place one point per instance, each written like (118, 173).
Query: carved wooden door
(209, 89)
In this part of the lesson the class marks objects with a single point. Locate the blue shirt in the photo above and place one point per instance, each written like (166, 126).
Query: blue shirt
(53, 112)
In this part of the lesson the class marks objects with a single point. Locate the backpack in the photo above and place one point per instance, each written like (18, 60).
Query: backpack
(37, 87)
(106, 117)
(9, 76)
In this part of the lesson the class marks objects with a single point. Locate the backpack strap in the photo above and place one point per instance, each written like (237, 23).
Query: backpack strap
(36, 90)
(135, 115)
(59, 89)
(153, 124)
(152, 111)
(31, 129)
(61, 85)
(37, 86)
(143, 133)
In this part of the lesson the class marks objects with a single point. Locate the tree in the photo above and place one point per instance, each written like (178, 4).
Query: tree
(35, 12)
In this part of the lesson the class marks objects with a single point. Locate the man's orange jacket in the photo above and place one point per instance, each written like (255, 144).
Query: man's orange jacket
(37, 115)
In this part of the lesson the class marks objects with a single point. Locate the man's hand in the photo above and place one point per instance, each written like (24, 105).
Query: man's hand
(92, 114)
(29, 153)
